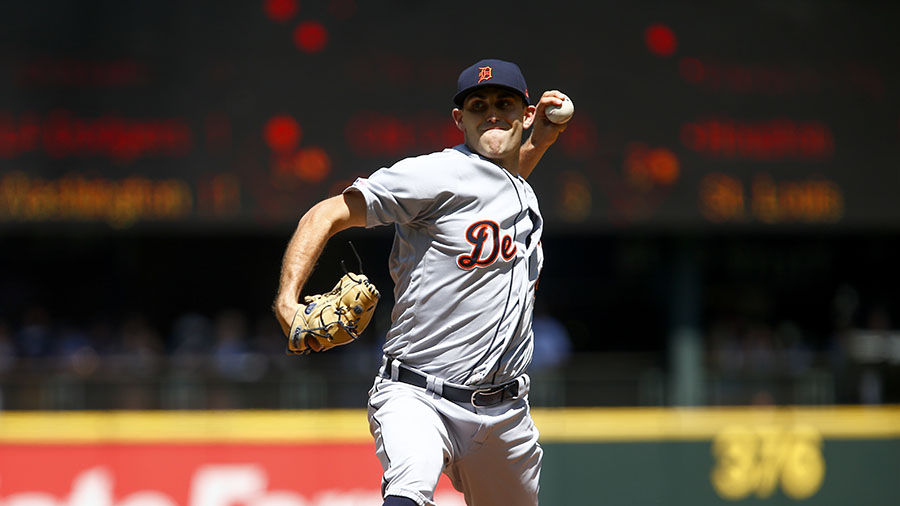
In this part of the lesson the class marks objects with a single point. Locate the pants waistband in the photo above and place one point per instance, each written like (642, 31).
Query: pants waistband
(475, 397)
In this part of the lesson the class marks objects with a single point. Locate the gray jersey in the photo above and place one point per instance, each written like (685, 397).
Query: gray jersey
(465, 264)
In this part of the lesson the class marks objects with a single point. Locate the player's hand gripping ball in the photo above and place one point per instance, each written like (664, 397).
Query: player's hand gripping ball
(334, 318)
(560, 114)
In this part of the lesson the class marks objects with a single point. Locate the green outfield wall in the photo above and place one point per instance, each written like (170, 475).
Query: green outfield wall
(851, 472)
(772, 456)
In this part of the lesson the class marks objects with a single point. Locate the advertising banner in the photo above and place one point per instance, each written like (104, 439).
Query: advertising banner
(194, 475)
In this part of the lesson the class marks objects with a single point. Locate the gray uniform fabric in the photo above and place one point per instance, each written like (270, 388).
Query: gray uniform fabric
(491, 455)
(465, 263)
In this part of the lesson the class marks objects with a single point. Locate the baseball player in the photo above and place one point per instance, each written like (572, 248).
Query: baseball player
(451, 394)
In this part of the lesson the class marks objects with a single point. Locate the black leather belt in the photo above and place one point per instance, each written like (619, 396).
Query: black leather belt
(481, 398)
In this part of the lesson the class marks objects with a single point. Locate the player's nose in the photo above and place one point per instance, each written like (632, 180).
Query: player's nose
(494, 115)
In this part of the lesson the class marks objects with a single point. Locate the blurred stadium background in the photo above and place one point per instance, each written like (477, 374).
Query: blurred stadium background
(722, 229)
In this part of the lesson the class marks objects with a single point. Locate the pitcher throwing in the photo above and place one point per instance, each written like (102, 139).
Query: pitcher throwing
(451, 395)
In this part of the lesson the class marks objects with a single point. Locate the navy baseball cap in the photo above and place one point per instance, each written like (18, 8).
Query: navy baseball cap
(499, 73)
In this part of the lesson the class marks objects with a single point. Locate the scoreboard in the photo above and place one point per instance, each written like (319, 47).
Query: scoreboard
(242, 114)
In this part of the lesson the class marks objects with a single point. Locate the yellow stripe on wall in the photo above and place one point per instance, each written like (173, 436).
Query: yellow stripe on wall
(350, 426)
(325, 426)
(697, 424)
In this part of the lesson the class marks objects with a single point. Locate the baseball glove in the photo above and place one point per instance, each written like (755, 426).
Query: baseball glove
(334, 318)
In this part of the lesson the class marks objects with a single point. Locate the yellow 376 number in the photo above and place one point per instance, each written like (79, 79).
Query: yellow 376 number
(755, 460)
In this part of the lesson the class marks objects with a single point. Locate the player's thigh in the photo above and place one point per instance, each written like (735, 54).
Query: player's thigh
(505, 469)
(411, 440)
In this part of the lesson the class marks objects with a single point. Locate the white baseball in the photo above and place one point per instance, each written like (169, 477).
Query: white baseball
(560, 114)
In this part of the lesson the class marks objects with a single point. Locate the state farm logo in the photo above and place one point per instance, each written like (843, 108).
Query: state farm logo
(210, 485)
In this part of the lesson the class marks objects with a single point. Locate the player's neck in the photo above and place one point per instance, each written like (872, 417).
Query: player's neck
(511, 165)
(509, 162)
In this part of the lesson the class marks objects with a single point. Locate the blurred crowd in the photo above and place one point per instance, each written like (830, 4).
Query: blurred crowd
(747, 361)
(858, 361)
(224, 360)
(229, 344)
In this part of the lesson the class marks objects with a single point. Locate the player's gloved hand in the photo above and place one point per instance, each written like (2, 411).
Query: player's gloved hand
(334, 318)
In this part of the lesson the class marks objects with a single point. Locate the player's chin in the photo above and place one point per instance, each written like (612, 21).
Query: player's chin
(496, 143)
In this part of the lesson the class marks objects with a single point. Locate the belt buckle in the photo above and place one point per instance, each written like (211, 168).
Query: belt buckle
(483, 391)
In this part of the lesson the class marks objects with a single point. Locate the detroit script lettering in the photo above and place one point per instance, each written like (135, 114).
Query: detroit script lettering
(487, 245)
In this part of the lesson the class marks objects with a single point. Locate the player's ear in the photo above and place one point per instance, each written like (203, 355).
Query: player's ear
(529, 117)
(457, 118)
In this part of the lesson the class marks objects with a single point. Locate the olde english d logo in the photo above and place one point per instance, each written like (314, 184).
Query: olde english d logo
(485, 73)
(487, 245)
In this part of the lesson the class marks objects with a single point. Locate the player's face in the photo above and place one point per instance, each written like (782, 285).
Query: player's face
(493, 120)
